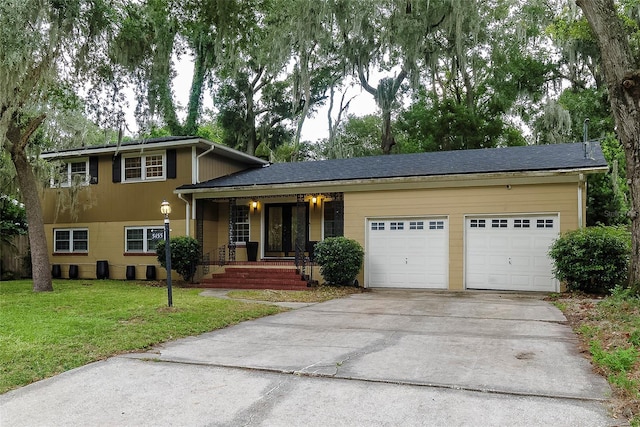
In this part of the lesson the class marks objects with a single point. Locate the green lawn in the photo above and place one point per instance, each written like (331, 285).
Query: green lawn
(87, 320)
(319, 294)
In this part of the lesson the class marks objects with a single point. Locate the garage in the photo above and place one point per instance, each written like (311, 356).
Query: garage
(510, 252)
(407, 253)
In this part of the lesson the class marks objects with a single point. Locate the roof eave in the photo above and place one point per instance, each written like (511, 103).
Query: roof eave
(97, 150)
(353, 184)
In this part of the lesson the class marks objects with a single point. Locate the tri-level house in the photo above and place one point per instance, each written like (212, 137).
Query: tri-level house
(475, 219)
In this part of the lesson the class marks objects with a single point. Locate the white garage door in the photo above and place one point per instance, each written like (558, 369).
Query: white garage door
(407, 253)
(510, 253)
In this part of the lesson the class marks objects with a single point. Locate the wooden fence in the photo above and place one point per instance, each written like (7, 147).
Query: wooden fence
(12, 258)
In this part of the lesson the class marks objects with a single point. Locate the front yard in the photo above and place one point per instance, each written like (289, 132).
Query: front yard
(609, 329)
(87, 320)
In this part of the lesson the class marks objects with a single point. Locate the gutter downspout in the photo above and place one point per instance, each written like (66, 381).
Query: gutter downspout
(197, 176)
(581, 180)
(187, 214)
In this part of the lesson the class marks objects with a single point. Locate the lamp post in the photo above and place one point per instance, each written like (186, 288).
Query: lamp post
(165, 209)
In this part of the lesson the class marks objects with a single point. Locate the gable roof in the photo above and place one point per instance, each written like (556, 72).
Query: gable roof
(154, 144)
(557, 157)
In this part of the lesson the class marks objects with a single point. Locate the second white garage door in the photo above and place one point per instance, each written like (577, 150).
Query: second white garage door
(510, 252)
(407, 253)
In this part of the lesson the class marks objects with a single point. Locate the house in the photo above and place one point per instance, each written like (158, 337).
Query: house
(474, 219)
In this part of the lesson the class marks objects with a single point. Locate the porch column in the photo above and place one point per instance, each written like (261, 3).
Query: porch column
(199, 210)
(232, 237)
(300, 228)
(338, 201)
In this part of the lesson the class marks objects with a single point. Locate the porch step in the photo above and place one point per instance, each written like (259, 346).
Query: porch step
(256, 278)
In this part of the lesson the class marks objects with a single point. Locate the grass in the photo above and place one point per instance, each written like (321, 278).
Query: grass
(43, 334)
(610, 332)
(319, 294)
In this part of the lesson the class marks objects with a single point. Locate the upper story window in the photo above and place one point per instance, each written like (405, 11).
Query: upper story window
(71, 240)
(73, 172)
(144, 167)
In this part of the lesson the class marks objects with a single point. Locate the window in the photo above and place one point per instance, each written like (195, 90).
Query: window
(241, 223)
(436, 225)
(498, 223)
(377, 226)
(143, 239)
(416, 225)
(332, 218)
(478, 223)
(396, 226)
(71, 240)
(521, 223)
(143, 168)
(72, 172)
(544, 223)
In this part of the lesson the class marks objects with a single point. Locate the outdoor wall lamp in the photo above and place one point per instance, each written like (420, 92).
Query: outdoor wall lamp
(314, 200)
(165, 209)
(254, 206)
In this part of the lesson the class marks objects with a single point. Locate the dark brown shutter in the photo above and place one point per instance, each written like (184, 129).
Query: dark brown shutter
(171, 164)
(93, 169)
(116, 169)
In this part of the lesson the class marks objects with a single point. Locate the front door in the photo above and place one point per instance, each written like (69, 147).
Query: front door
(281, 229)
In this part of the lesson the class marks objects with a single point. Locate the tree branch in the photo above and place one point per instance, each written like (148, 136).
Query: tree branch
(398, 81)
(259, 72)
(33, 125)
(364, 82)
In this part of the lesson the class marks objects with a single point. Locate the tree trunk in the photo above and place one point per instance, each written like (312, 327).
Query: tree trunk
(29, 191)
(250, 120)
(195, 95)
(388, 141)
(623, 82)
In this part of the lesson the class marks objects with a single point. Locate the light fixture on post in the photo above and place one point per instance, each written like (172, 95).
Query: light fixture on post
(165, 209)
(254, 205)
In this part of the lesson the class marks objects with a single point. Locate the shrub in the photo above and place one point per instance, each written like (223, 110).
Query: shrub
(185, 254)
(618, 360)
(340, 260)
(593, 259)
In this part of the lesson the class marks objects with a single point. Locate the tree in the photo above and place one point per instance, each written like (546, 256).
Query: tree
(354, 137)
(13, 219)
(60, 34)
(153, 34)
(396, 34)
(622, 73)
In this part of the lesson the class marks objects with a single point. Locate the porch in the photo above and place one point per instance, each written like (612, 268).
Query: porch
(264, 241)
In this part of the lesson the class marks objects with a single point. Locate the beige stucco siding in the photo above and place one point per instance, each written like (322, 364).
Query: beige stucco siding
(123, 201)
(107, 242)
(455, 204)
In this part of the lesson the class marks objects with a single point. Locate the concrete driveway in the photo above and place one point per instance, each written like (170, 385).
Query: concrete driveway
(382, 358)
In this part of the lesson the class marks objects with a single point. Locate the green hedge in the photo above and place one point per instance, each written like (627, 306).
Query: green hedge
(340, 260)
(593, 259)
